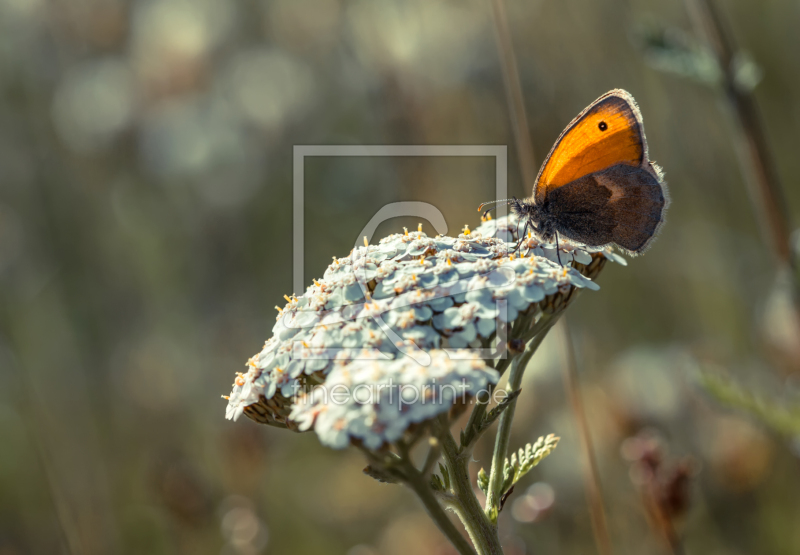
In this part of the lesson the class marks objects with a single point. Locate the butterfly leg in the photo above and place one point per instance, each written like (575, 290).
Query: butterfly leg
(524, 235)
(558, 251)
(519, 240)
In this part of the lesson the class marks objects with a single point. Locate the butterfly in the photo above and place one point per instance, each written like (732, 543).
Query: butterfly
(597, 186)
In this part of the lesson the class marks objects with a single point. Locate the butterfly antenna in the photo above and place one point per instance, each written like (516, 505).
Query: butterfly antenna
(493, 202)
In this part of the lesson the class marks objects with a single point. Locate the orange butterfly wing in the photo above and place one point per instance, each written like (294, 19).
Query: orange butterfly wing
(607, 133)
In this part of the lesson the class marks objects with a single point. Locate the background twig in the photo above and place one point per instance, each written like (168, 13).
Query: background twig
(516, 105)
(591, 476)
(761, 173)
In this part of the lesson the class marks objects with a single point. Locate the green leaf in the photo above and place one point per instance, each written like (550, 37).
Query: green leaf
(670, 50)
(436, 483)
(469, 435)
(379, 475)
(445, 476)
(505, 497)
(495, 413)
(521, 462)
(782, 417)
(483, 481)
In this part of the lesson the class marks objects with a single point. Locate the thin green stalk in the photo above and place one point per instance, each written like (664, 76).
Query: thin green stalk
(418, 481)
(503, 364)
(524, 330)
(477, 414)
(475, 418)
(438, 514)
(482, 532)
(504, 429)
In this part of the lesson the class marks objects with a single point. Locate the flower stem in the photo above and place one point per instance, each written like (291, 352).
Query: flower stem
(418, 481)
(504, 428)
(475, 418)
(482, 532)
(434, 454)
(438, 514)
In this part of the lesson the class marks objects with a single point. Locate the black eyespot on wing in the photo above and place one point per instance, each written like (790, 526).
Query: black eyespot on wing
(602, 126)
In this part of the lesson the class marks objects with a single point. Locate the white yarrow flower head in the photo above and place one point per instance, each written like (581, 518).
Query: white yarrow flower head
(411, 313)
(376, 402)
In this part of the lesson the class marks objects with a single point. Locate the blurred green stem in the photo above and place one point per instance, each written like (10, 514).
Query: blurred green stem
(524, 329)
(482, 532)
(504, 429)
(761, 174)
(476, 417)
(516, 104)
(591, 475)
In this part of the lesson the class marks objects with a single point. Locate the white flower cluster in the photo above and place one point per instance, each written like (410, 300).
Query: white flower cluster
(375, 402)
(409, 297)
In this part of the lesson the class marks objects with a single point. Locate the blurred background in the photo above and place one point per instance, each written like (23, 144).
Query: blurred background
(145, 236)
